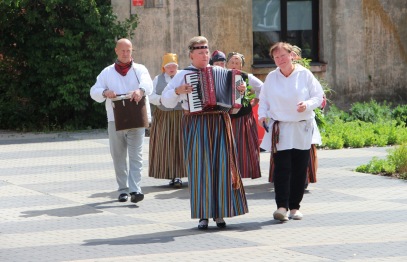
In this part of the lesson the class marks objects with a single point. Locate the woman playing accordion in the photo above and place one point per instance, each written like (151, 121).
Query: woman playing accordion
(216, 190)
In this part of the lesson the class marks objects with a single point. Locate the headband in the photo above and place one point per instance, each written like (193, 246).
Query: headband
(198, 47)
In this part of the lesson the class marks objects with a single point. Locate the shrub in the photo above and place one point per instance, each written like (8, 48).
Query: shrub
(399, 114)
(398, 157)
(52, 52)
(334, 114)
(333, 142)
(377, 166)
(370, 112)
(395, 163)
(401, 136)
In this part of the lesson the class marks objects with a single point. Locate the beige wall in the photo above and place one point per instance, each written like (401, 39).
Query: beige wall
(362, 43)
(169, 29)
(365, 46)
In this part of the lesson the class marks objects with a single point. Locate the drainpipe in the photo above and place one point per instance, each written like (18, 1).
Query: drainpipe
(199, 17)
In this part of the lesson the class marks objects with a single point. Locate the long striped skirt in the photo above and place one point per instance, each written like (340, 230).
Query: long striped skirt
(166, 152)
(214, 181)
(247, 144)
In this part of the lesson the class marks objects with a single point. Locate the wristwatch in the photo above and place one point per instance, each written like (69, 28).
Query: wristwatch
(144, 91)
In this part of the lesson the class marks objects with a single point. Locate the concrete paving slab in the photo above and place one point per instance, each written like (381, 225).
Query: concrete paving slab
(58, 202)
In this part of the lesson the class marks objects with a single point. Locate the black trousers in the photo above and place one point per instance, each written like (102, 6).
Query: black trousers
(290, 172)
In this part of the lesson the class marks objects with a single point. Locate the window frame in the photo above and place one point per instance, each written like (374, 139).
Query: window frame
(284, 31)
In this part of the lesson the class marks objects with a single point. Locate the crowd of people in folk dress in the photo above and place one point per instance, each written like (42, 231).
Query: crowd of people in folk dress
(214, 149)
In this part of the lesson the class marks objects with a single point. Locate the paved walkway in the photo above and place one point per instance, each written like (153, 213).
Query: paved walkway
(57, 203)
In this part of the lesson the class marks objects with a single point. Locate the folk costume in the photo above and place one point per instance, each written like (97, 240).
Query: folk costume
(214, 180)
(166, 153)
(123, 79)
(291, 131)
(246, 134)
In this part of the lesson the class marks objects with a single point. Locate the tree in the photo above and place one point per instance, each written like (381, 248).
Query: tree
(50, 54)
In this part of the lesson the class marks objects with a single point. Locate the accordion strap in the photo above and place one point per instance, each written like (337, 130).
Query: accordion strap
(190, 68)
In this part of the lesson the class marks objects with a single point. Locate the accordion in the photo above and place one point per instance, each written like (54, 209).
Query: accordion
(214, 88)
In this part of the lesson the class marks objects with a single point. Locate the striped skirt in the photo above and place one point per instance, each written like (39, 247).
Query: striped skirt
(166, 154)
(247, 144)
(214, 181)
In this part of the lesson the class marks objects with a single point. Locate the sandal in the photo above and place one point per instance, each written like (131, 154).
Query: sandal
(177, 183)
(203, 223)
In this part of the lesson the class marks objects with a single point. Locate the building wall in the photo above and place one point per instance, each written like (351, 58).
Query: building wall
(365, 48)
(363, 44)
(170, 28)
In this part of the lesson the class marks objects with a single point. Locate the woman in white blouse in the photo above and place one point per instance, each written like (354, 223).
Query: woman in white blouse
(214, 181)
(287, 100)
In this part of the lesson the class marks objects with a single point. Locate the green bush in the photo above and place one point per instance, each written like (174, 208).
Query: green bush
(395, 163)
(332, 142)
(401, 136)
(367, 124)
(377, 166)
(52, 52)
(398, 157)
(372, 112)
(399, 114)
(334, 114)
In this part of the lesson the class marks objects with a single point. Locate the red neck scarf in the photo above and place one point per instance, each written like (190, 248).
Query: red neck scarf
(122, 68)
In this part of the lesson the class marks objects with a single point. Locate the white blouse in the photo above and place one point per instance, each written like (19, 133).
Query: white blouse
(278, 102)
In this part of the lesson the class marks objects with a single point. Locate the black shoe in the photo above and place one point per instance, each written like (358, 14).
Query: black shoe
(123, 197)
(220, 222)
(136, 197)
(177, 183)
(171, 183)
(203, 223)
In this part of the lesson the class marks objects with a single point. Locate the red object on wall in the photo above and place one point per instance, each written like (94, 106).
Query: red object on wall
(138, 2)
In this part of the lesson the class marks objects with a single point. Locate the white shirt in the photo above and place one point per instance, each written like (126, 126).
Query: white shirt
(278, 101)
(110, 79)
(154, 97)
(169, 98)
(256, 84)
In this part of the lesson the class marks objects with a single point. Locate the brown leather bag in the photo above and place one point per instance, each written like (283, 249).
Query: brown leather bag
(129, 114)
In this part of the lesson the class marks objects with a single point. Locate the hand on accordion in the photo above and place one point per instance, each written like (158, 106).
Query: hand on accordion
(242, 88)
(183, 89)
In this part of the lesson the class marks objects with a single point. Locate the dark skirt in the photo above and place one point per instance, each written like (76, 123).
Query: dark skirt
(247, 144)
(210, 158)
(166, 152)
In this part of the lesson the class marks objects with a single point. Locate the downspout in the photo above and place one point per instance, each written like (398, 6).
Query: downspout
(199, 17)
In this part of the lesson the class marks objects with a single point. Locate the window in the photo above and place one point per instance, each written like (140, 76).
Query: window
(295, 22)
(153, 3)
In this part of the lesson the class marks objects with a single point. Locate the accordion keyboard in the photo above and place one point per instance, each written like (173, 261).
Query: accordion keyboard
(195, 97)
